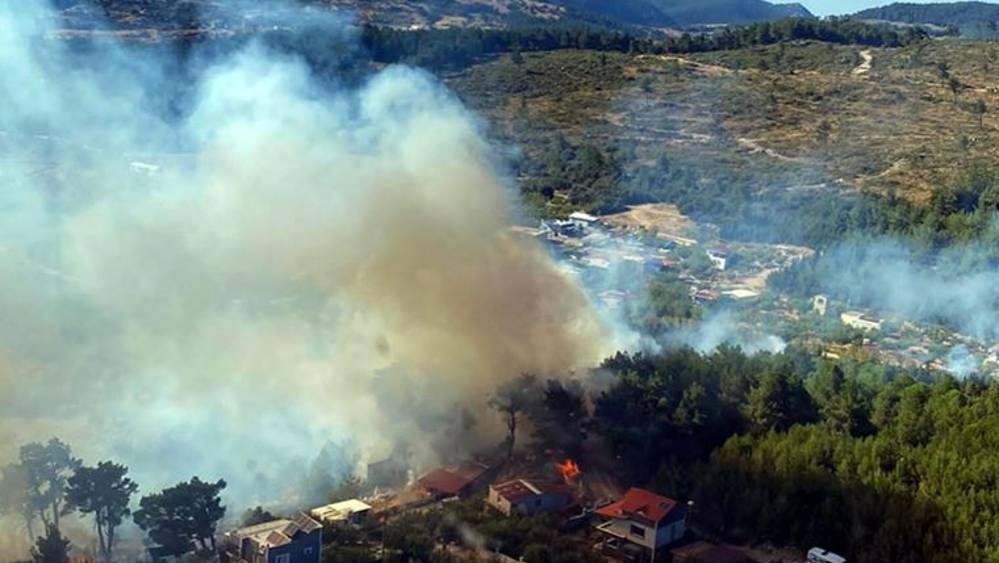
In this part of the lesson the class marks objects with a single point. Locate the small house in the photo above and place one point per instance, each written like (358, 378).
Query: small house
(456, 481)
(641, 523)
(720, 258)
(860, 321)
(820, 304)
(281, 541)
(346, 513)
(706, 296)
(528, 497)
(584, 220)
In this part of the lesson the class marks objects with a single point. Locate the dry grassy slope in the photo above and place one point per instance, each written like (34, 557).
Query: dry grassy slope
(761, 111)
(459, 13)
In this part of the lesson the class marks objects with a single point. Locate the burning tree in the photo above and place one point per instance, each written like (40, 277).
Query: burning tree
(511, 400)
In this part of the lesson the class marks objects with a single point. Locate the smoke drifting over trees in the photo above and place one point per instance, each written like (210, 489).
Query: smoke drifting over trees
(224, 287)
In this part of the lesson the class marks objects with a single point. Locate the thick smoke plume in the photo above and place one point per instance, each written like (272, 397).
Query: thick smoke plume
(224, 288)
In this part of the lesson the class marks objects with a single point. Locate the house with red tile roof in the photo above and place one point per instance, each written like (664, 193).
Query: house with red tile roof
(641, 523)
(528, 496)
(456, 481)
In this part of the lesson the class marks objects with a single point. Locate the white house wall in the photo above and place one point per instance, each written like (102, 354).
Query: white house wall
(666, 535)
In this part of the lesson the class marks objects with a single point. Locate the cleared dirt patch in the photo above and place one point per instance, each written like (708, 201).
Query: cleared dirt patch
(662, 217)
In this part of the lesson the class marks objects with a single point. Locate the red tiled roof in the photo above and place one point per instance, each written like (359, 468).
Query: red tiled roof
(444, 481)
(640, 504)
(470, 471)
(514, 490)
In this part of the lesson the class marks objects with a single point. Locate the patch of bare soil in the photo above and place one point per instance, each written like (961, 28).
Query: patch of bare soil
(662, 217)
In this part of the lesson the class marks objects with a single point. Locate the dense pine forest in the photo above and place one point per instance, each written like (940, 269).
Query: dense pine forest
(456, 48)
(872, 462)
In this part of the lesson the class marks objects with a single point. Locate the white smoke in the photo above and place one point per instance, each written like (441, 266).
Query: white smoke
(958, 287)
(960, 362)
(722, 327)
(225, 289)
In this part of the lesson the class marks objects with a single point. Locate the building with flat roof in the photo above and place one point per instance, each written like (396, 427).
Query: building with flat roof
(346, 513)
(583, 219)
(860, 321)
(528, 497)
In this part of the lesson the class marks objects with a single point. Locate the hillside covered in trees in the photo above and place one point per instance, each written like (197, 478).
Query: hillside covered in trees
(939, 13)
(457, 48)
(700, 12)
(649, 14)
(195, 14)
(975, 19)
(873, 463)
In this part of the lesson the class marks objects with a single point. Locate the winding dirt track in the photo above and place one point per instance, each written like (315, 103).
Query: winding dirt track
(865, 66)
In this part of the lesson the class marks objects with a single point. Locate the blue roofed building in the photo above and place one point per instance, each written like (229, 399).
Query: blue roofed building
(281, 541)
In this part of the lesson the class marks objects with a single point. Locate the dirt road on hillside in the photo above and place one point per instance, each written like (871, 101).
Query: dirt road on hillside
(865, 65)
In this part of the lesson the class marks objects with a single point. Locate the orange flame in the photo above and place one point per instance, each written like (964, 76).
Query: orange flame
(569, 469)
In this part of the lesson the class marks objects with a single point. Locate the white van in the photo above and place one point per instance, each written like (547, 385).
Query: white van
(819, 555)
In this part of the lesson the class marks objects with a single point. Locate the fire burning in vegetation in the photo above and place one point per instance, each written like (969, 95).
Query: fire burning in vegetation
(569, 469)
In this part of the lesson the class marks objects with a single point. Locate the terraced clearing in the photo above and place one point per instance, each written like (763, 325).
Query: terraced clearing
(801, 115)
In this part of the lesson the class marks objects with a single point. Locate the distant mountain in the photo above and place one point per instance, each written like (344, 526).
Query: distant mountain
(965, 15)
(634, 12)
(704, 12)
(176, 14)
(505, 13)
(647, 13)
(390, 13)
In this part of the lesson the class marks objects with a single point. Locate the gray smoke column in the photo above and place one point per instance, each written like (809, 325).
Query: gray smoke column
(225, 293)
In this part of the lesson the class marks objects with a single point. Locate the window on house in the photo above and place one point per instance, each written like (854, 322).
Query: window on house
(636, 531)
(283, 558)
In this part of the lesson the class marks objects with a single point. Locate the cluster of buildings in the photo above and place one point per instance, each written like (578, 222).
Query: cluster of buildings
(299, 540)
(281, 541)
(910, 345)
(617, 258)
(638, 526)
